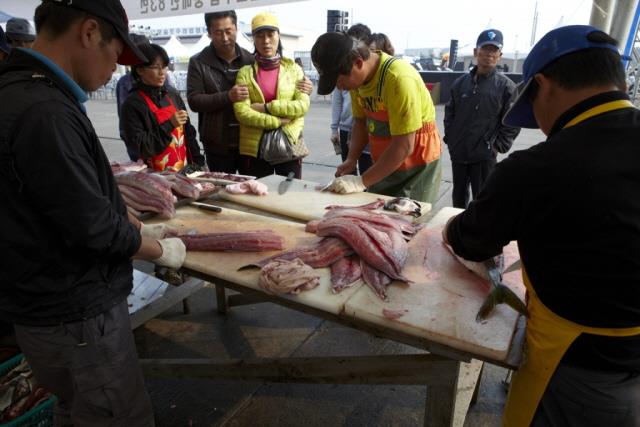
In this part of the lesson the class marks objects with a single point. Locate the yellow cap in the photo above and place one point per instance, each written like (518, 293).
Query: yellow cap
(264, 21)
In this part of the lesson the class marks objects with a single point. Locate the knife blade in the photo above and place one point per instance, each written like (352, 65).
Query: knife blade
(206, 206)
(284, 185)
(513, 267)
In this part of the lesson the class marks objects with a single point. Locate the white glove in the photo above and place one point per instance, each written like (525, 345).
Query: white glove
(347, 184)
(173, 253)
(157, 231)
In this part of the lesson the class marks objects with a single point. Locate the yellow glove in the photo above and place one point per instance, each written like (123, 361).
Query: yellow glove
(157, 231)
(173, 253)
(347, 184)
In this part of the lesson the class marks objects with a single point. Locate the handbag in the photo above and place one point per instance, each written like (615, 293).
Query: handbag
(300, 149)
(275, 147)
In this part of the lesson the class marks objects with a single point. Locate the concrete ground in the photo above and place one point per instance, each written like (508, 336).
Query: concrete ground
(268, 330)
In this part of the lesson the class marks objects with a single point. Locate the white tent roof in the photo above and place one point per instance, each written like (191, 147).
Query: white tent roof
(176, 50)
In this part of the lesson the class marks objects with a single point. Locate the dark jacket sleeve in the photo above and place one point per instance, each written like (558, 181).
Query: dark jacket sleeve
(62, 183)
(199, 100)
(505, 135)
(141, 129)
(450, 110)
(191, 137)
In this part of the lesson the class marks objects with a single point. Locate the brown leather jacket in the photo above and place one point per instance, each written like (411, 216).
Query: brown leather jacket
(209, 79)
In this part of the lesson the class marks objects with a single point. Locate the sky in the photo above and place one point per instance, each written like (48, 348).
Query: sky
(423, 23)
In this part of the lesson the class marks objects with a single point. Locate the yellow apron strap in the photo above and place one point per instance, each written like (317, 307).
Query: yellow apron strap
(547, 340)
(599, 109)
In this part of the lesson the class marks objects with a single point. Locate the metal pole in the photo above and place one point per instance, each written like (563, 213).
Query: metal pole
(602, 14)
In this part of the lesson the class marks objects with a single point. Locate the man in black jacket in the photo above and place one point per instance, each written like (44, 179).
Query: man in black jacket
(67, 240)
(212, 90)
(473, 128)
(571, 202)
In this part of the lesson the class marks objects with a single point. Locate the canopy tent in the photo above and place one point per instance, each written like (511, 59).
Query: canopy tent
(4, 17)
(176, 50)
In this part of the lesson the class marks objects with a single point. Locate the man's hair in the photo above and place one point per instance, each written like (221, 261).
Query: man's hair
(588, 67)
(380, 41)
(360, 49)
(54, 19)
(359, 31)
(212, 16)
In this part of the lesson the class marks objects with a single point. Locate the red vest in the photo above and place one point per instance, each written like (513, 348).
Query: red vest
(174, 157)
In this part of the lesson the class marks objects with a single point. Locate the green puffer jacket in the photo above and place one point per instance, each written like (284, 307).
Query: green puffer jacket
(290, 103)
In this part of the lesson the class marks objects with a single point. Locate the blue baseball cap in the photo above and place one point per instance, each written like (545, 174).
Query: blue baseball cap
(555, 44)
(491, 36)
(4, 45)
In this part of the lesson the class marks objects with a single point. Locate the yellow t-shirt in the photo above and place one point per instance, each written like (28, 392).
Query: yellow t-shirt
(403, 95)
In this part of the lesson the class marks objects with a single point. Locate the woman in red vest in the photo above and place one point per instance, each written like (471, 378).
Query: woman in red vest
(155, 119)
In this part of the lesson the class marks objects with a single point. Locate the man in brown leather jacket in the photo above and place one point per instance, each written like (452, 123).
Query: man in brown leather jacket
(211, 90)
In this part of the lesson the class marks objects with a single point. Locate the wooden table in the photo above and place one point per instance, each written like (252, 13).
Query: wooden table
(439, 369)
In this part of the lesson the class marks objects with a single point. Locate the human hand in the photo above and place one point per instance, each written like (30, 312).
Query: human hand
(157, 231)
(284, 121)
(238, 93)
(335, 137)
(305, 85)
(179, 118)
(346, 167)
(258, 107)
(173, 253)
(347, 184)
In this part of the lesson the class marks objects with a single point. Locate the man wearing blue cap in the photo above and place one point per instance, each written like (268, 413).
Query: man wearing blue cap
(473, 128)
(571, 203)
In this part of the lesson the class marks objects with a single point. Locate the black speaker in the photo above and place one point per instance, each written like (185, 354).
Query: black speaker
(337, 20)
(453, 54)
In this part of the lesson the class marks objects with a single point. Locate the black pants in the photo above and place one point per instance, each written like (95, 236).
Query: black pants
(364, 161)
(577, 397)
(229, 163)
(465, 175)
(257, 167)
(92, 367)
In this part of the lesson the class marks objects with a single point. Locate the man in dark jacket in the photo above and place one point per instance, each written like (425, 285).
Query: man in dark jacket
(212, 90)
(67, 240)
(571, 202)
(473, 125)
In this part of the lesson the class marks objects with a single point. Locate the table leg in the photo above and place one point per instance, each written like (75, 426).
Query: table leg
(441, 399)
(476, 389)
(221, 300)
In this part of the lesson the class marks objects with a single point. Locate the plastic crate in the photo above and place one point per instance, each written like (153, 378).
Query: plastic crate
(41, 415)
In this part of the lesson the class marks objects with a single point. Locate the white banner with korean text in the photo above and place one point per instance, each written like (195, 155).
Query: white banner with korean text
(143, 9)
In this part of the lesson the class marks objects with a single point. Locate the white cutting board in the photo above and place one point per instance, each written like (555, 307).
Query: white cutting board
(442, 309)
(302, 200)
(224, 265)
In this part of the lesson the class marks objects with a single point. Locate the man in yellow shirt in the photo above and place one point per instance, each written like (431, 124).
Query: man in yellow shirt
(392, 110)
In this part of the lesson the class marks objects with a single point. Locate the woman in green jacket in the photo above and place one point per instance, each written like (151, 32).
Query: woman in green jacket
(274, 101)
